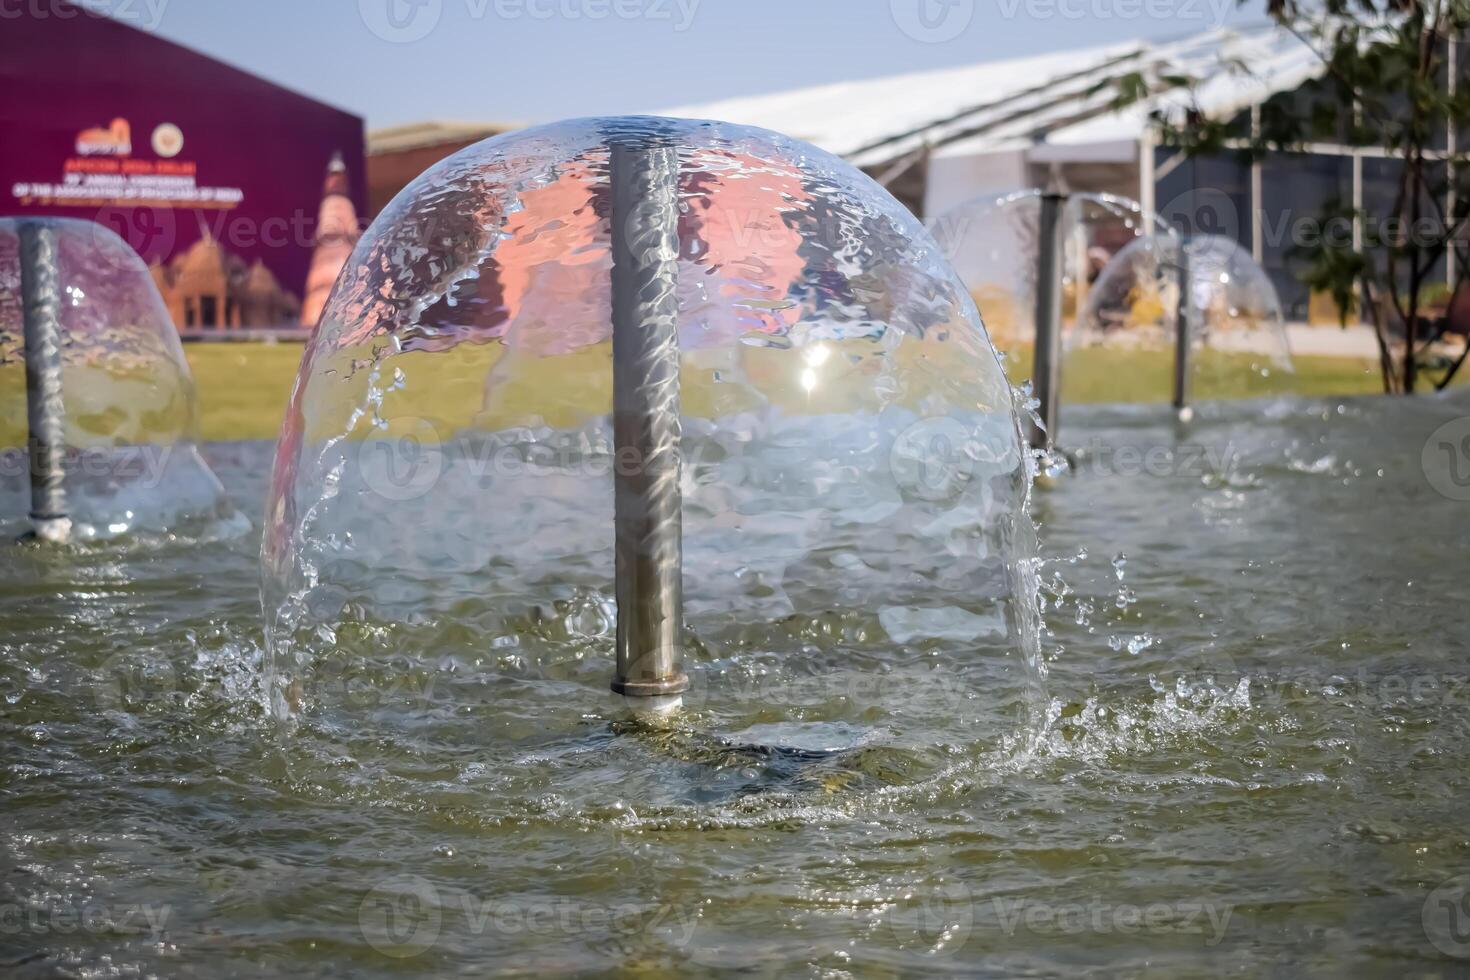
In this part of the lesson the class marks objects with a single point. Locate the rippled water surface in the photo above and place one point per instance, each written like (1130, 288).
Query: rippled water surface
(1251, 758)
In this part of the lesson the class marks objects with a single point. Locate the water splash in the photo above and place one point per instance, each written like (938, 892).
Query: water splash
(855, 484)
(132, 465)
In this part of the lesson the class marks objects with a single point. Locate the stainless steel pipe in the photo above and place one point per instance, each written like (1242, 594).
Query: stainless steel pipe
(646, 427)
(1046, 366)
(1182, 339)
(40, 279)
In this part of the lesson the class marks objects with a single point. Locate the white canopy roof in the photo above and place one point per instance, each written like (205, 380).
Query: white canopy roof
(1060, 98)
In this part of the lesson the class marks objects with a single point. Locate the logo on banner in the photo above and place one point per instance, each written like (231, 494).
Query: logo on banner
(168, 140)
(114, 140)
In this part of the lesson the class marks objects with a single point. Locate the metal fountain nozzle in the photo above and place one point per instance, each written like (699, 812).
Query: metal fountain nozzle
(646, 426)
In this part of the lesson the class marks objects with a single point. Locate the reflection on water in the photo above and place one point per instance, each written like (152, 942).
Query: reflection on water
(1251, 760)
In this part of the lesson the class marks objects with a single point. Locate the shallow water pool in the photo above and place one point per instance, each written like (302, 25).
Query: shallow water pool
(1250, 758)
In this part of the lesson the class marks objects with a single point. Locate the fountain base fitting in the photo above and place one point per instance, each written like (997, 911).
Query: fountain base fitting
(664, 686)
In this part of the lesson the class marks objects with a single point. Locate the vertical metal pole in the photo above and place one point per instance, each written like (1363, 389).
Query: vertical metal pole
(1452, 149)
(1148, 170)
(1258, 204)
(646, 428)
(1183, 341)
(1046, 368)
(40, 289)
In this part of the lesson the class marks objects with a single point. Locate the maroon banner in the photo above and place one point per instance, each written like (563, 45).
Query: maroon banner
(166, 146)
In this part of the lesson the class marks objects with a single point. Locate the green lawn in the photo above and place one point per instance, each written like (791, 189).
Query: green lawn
(1121, 375)
(243, 388)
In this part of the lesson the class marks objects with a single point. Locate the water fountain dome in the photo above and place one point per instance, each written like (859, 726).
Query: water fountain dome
(1237, 333)
(851, 485)
(993, 243)
(116, 401)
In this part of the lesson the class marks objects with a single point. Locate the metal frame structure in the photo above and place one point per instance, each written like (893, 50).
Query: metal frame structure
(1087, 110)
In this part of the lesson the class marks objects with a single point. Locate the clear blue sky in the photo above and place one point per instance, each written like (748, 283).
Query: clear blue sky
(396, 61)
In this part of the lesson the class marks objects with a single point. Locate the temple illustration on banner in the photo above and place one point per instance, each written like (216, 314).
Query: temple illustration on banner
(208, 288)
(337, 232)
